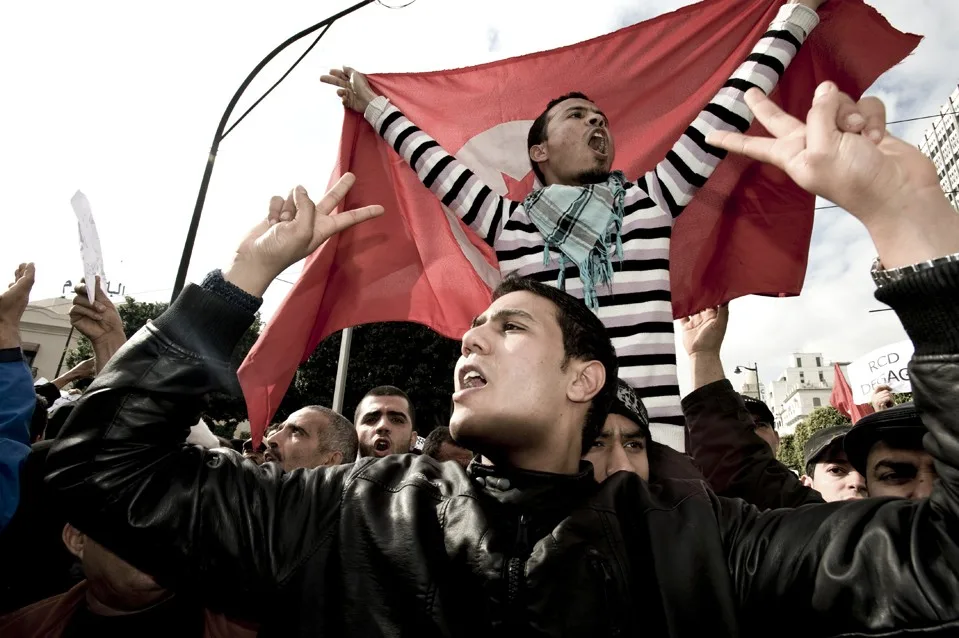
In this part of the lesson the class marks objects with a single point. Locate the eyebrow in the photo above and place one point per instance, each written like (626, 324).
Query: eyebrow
(570, 109)
(631, 436)
(388, 413)
(502, 315)
(895, 465)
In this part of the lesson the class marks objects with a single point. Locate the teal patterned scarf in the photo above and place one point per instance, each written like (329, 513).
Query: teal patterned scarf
(585, 224)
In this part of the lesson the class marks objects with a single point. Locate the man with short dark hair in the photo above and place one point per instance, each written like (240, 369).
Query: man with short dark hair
(526, 542)
(313, 436)
(586, 215)
(385, 422)
(441, 446)
(886, 448)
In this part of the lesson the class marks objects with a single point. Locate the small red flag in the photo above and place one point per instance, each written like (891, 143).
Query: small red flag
(841, 398)
(746, 232)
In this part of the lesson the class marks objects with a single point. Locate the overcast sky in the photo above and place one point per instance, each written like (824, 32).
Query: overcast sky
(121, 100)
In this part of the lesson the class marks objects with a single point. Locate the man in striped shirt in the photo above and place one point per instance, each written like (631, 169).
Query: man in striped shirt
(570, 144)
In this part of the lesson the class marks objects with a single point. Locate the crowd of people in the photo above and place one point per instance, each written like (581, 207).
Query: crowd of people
(556, 502)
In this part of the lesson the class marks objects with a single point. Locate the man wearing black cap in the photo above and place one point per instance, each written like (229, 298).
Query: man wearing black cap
(886, 448)
(622, 445)
(626, 445)
(828, 471)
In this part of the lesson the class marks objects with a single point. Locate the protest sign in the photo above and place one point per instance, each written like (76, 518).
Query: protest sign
(89, 243)
(883, 366)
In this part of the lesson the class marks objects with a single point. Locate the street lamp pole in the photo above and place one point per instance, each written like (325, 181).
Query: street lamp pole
(754, 368)
(222, 131)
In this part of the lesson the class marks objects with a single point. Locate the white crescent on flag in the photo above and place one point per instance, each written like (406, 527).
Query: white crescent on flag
(497, 151)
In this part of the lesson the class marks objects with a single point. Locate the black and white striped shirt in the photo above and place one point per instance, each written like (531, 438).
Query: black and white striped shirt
(638, 311)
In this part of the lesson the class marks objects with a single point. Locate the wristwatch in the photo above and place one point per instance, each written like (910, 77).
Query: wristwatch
(883, 277)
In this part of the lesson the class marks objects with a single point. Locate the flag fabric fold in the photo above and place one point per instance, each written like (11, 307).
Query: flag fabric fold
(746, 232)
(841, 398)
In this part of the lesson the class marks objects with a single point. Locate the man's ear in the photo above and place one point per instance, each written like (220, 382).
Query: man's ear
(413, 437)
(336, 458)
(74, 539)
(588, 380)
(806, 480)
(538, 153)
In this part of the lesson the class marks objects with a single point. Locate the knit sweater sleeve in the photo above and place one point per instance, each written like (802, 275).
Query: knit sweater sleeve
(671, 185)
(454, 184)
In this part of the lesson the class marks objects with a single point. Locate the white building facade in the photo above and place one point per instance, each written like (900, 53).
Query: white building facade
(45, 335)
(804, 385)
(940, 143)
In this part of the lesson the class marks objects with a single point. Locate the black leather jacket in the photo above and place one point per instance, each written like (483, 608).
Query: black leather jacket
(734, 460)
(404, 546)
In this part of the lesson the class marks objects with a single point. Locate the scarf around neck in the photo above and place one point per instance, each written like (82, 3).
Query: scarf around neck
(584, 223)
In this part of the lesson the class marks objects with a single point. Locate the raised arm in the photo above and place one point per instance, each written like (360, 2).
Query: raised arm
(722, 438)
(686, 167)
(201, 521)
(873, 565)
(17, 398)
(455, 185)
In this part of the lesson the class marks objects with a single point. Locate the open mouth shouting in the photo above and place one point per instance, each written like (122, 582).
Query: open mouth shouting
(469, 379)
(598, 141)
(382, 446)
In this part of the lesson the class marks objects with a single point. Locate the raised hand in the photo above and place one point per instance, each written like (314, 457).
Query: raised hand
(12, 304)
(99, 321)
(353, 89)
(890, 186)
(846, 168)
(882, 398)
(704, 332)
(294, 228)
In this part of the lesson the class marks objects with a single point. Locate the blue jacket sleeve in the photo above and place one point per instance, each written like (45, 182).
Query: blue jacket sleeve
(17, 400)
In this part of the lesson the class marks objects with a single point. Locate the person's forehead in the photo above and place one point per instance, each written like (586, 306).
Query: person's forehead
(540, 309)
(881, 451)
(310, 420)
(571, 104)
(617, 425)
(833, 454)
(838, 459)
(384, 404)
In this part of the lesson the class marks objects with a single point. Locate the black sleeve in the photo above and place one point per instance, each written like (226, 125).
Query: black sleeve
(871, 566)
(736, 462)
(202, 521)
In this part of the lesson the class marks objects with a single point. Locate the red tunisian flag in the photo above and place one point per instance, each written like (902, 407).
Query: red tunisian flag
(746, 232)
(841, 398)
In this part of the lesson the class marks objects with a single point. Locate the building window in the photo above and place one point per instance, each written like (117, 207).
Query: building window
(30, 351)
(816, 402)
(802, 377)
(818, 362)
(822, 378)
(798, 362)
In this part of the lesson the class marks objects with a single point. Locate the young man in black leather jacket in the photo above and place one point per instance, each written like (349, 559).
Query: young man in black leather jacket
(526, 544)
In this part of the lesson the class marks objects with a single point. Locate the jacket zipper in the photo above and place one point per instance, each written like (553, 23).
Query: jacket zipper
(514, 572)
(606, 581)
